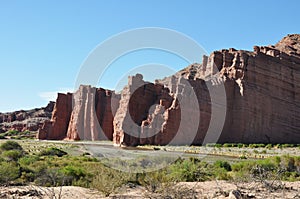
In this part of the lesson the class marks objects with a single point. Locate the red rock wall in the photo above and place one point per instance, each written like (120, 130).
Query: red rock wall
(56, 129)
(262, 91)
(156, 111)
(86, 114)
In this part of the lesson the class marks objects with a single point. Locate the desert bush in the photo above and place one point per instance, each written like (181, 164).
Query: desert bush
(189, 170)
(73, 174)
(156, 181)
(220, 174)
(53, 152)
(12, 155)
(269, 146)
(240, 145)
(290, 163)
(240, 171)
(11, 145)
(226, 145)
(230, 145)
(256, 145)
(50, 177)
(28, 159)
(223, 164)
(108, 180)
(9, 171)
(210, 145)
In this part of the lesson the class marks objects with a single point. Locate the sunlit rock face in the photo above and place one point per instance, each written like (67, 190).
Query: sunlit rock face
(262, 92)
(86, 114)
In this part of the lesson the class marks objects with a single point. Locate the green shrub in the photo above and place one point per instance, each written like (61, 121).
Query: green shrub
(242, 166)
(50, 177)
(267, 164)
(53, 152)
(269, 146)
(288, 163)
(11, 145)
(256, 145)
(27, 176)
(156, 181)
(9, 171)
(240, 145)
(27, 160)
(188, 171)
(221, 174)
(108, 180)
(223, 164)
(12, 155)
(74, 172)
(227, 145)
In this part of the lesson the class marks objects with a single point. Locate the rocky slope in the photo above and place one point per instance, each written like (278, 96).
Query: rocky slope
(262, 92)
(22, 120)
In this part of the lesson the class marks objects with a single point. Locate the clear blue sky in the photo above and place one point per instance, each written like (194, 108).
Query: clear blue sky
(43, 43)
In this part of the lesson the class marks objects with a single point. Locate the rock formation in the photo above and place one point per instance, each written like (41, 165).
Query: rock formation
(30, 120)
(262, 92)
(86, 114)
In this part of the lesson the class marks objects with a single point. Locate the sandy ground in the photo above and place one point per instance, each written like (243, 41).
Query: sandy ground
(210, 189)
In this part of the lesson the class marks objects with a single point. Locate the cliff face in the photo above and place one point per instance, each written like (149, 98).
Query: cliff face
(86, 114)
(57, 127)
(262, 92)
(262, 102)
(22, 120)
(166, 112)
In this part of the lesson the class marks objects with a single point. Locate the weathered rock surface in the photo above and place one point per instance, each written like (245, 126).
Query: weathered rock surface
(262, 92)
(30, 120)
(167, 112)
(58, 126)
(86, 114)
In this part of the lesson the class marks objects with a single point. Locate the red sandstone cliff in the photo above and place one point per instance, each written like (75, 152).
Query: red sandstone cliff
(86, 114)
(262, 91)
(262, 102)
